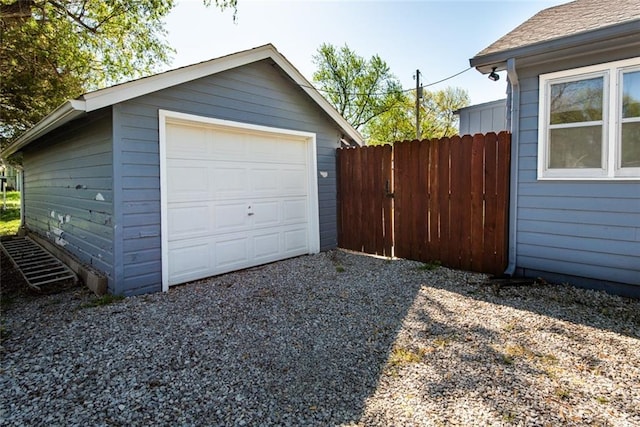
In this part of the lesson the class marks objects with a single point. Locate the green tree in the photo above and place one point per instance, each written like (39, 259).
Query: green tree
(54, 50)
(358, 88)
(397, 124)
(437, 119)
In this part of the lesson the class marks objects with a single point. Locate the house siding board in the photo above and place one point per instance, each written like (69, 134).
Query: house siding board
(594, 231)
(576, 269)
(483, 118)
(573, 229)
(621, 190)
(64, 174)
(258, 94)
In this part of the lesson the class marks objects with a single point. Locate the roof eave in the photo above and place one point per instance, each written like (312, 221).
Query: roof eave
(109, 96)
(119, 93)
(66, 112)
(585, 42)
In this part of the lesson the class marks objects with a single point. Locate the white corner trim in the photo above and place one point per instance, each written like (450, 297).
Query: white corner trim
(165, 117)
(164, 225)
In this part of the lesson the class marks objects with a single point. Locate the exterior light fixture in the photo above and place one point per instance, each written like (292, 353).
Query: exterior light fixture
(494, 76)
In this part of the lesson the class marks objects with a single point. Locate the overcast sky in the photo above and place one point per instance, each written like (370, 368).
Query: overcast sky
(436, 37)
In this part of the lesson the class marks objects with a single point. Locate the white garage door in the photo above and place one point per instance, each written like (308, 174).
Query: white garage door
(234, 196)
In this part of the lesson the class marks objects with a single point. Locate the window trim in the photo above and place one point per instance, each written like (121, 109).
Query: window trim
(620, 171)
(612, 73)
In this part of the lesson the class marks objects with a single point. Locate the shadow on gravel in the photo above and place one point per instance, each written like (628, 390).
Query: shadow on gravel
(300, 342)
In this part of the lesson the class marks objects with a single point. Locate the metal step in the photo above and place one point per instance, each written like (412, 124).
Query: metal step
(37, 266)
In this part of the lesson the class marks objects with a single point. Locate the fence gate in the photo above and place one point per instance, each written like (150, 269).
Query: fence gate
(440, 199)
(365, 199)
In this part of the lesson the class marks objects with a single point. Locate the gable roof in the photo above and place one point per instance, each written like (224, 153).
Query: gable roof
(106, 97)
(563, 26)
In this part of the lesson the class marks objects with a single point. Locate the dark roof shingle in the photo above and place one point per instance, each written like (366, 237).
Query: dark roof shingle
(566, 20)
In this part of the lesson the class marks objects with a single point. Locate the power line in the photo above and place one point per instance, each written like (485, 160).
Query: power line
(354, 93)
(384, 93)
(448, 78)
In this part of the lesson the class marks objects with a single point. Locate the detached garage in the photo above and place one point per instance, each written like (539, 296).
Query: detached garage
(194, 172)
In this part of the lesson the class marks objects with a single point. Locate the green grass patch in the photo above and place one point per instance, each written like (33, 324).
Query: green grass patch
(429, 266)
(103, 300)
(506, 359)
(10, 217)
(442, 341)
(562, 393)
(401, 356)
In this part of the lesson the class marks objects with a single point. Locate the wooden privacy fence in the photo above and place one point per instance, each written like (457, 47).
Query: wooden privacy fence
(433, 200)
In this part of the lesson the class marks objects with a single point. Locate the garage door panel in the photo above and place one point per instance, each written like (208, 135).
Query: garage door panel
(229, 182)
(265, 180)
(294, 181)
(187, 141)
(190, 260)
(230, 217)
(232, 253)
(294, 151)
(235, 199)
(188, 183)
(278, 149)
(294, 210)
(268, 149)
(188, 221)
(266, 246)
(266, 213)
(295, 240)
(228, 146)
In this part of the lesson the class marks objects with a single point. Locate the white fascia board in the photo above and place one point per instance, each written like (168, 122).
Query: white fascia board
(125, 91)
(61, 115)
(102, 98)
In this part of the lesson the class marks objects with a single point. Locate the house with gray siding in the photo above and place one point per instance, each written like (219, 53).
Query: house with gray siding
(574, 95)
(186, 174)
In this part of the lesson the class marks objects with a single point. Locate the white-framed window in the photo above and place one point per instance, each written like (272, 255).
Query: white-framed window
(589, 122)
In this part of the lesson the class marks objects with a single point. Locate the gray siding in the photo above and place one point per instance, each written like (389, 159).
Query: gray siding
(66, 174)
(259, 94)
(587, 232)
(483, 118)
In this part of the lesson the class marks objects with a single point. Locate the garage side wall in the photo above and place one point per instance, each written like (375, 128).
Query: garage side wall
(258, 93)
(68, 190)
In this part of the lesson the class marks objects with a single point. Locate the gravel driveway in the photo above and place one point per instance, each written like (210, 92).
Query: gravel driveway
(330, 339)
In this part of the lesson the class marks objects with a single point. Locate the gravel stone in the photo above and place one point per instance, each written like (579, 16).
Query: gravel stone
(336, 338)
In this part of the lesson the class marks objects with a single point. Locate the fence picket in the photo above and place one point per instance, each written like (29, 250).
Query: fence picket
(434, 202)
(444, 194)
(477, 202)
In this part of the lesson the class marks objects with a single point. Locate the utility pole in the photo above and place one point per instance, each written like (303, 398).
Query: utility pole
(418, 98)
